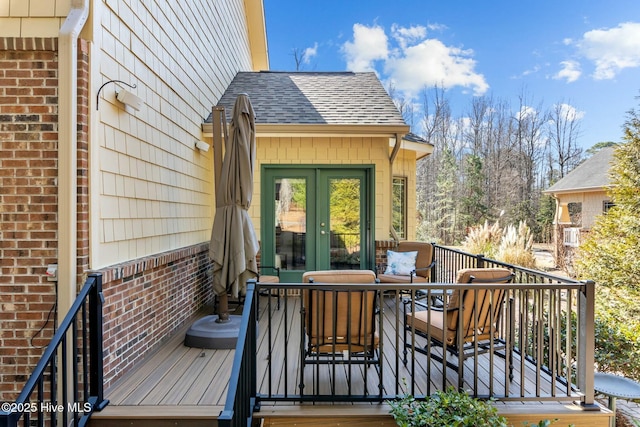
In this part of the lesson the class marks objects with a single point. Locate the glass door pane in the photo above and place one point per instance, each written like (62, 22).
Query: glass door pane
(345, 219)
(291, 223)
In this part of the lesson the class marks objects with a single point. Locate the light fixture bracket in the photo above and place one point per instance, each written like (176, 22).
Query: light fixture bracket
(132, 86)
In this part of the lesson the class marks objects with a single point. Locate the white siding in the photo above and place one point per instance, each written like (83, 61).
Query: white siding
(154, 188)
(32, 18)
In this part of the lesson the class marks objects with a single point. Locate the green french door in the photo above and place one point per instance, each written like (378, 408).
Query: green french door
(316, 218)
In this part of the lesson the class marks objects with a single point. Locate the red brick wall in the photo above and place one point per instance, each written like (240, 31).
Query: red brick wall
(28, 204)
(147, 299)
(381, 250)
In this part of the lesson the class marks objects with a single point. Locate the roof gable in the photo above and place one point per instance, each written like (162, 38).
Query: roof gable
(591, 174)
(313, 98)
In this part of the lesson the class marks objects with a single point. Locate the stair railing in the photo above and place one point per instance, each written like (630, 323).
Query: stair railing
(66, 388)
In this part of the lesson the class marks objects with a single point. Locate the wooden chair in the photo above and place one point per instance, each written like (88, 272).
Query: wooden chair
(467, 325)
(340, 325)
(424, 264)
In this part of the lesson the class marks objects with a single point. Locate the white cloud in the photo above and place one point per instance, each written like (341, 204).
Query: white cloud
(310, 52)
(570, 71)
(404, 35)
(569, 112)
(613, 49)
(416, 62)
(369, 44)
(430, 63)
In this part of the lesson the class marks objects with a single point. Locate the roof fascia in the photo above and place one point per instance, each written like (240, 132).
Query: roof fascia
(578, 190)
(257, 29)
(421, 149)
(319, 130)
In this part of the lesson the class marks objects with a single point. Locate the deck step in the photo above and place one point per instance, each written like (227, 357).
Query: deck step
(321, 415)
(365, 415)
(156, 416)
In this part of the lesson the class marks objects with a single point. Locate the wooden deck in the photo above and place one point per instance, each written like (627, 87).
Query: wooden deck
(182, 383)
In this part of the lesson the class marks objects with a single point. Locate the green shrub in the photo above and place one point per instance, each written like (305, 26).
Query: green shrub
(617, 339)
(445, 408)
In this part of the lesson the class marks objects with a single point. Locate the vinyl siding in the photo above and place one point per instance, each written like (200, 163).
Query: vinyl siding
(154, 188)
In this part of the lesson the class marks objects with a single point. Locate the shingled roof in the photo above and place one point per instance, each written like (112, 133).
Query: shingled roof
(334, 98)
(592, 174)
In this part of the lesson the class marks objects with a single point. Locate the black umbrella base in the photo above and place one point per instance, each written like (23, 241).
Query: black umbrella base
(207, 333)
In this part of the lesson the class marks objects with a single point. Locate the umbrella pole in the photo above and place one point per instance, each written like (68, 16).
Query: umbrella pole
(223, 308)
(219, 139)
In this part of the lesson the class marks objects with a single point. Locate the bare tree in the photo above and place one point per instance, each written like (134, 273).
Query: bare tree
(300, 57)
(564, 132)
(531, 145)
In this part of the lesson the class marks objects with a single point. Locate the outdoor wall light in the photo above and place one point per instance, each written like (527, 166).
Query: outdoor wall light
(128, 98)
(124, 96)
(202, 146)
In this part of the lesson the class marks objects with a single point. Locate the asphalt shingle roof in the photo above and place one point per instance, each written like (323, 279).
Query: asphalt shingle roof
(592, 173)
(335, 98)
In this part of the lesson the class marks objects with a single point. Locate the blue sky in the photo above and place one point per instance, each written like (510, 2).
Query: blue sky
(583, 53)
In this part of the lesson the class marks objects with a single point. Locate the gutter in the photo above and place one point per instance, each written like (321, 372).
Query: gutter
(67, 152)
(392, 159)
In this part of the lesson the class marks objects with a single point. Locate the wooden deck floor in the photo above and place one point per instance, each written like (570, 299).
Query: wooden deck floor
(178, 381)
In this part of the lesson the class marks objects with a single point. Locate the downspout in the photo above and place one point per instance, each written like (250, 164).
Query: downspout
(392, 159)
(67, 152)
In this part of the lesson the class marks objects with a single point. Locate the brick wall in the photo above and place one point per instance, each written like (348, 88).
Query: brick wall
(28, 204)
(147, 299)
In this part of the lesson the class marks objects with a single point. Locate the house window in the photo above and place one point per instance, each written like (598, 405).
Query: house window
(575, 212)
(400, 206)
(606, 205)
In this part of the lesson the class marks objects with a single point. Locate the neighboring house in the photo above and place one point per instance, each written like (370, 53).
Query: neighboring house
(580, 197)
(91, 184)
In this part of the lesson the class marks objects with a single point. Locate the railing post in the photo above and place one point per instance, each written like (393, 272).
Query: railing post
(480, 261)
(586, 344)
(96, 356)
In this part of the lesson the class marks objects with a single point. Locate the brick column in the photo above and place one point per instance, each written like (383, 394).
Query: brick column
(28, 199)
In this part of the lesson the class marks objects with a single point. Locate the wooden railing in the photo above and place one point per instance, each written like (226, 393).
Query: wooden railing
(67, 383)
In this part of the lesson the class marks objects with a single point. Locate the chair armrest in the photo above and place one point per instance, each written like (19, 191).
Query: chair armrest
(429, 267)
(273, 269)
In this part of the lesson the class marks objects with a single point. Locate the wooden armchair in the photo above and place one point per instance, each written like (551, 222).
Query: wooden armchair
(467, 325)
(423, 267)
(340, 325)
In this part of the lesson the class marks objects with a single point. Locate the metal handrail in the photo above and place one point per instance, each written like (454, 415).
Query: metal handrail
(537, 315)
(241, 393)
(83, 369)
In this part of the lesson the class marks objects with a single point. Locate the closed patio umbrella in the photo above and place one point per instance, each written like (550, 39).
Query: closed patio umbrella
(234, 244)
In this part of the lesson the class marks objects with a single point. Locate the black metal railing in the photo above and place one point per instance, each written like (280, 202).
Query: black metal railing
(450, 261)
(544, 343)
(241, 393)
(67, 383)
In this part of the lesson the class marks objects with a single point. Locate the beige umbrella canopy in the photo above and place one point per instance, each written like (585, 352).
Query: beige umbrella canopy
(234, 244)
